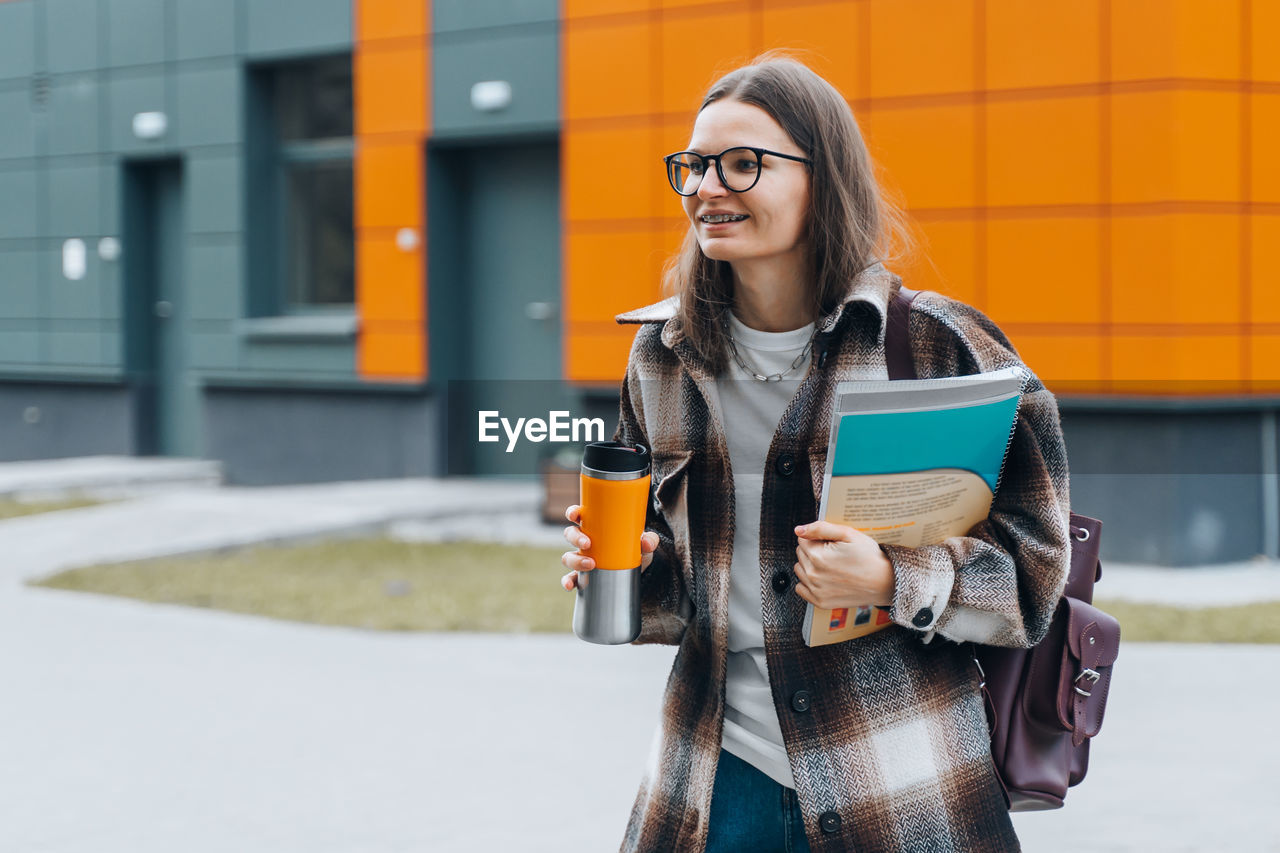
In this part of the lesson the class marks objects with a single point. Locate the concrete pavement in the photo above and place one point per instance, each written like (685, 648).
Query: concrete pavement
(137, 727)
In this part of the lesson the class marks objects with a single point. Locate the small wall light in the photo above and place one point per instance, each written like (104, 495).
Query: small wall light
(491, 95)
(73, 259)
(109, 248)
(150, 125)
(406, 239)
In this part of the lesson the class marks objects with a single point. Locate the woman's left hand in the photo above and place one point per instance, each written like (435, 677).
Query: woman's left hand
(841, 567)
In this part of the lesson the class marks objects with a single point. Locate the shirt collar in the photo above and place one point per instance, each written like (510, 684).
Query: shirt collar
(873, 286)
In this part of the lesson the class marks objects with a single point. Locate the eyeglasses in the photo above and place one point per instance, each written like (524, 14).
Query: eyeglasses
(738, 168)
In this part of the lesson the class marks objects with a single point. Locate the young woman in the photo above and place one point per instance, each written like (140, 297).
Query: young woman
(765, 744)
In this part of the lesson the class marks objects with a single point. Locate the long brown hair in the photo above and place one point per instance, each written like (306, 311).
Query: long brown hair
(851, 224)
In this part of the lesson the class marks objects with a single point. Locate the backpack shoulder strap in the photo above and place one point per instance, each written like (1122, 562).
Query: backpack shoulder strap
(897, 346)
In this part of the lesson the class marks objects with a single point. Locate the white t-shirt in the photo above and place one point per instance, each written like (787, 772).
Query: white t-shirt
(750, 410)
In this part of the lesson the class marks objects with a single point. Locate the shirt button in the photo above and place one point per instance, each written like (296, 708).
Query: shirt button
(800, 701)
(785, 465)
(782, 582)
(830, 822)
(924, 618)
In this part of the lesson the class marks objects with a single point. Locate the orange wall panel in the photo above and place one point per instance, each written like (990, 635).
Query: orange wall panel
(1264, 251)
(1044, 151)
(1264, 35)
(1043, 44)
(388, 185)
(1177, 364)
(1175, 146)
(611, 173)
(929, 154)
(392, 72)
(1044, 270)
(1162, 39)
(389, 281)
(944, 259)
(696, 51)
(1182, 268)
(380, 19)
(391, 94)
(833, 50)
(1264, 364)
(609, 273)
(922, 47)
(391, 355)
(674, 135)
(608, 68)
(1071, 362)
(598, 357)
(1264, 164)
(583, 8)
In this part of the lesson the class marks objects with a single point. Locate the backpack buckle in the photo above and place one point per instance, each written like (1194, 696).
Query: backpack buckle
(1090, 674)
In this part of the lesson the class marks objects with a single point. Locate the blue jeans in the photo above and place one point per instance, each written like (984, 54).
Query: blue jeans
(751, 813)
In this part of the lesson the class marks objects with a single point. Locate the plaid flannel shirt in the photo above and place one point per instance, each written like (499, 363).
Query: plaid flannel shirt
(891, 752)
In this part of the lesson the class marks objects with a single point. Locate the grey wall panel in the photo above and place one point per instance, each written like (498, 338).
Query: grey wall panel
(109, 286)
(17, 40)
(208, 105)
(213, 279)
(265, 437)
(17, 204)
(18, 288)
(135, 32)
(74, 120)
(19, 347)
(74, 348)
(334, 359)
(75, 200)
(214, 350)
(70, 299)
(204, 29)
(112, 346)
(110, 203)
(1175, 489)
(452, 15)
(71, 420)
(296, 27)
(72, 35)
(17, 129)
(528, 59)
(130, 93)
(214, 201)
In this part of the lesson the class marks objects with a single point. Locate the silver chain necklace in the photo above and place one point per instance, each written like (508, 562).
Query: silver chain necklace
(773, 377)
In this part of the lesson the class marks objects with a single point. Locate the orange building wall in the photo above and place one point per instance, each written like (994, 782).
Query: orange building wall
(391, 74)
(1098, 176)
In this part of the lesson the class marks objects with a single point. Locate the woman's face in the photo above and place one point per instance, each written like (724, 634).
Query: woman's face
(776, 207)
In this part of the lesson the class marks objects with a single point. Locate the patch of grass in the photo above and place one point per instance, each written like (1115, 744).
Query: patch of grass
(398, 586)
(1161, 623)
(14, 509)
(365, 583)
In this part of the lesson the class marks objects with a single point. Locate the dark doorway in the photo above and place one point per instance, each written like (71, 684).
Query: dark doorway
(166, 403)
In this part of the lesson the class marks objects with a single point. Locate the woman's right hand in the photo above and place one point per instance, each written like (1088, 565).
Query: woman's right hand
(576, 562)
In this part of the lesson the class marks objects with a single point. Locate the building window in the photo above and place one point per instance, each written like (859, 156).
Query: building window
(301, 200)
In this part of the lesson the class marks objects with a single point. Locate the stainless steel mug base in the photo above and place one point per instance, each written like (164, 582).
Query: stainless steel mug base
(607, 609)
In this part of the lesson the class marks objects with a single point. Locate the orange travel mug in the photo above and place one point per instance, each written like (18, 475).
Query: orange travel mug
(615, 499)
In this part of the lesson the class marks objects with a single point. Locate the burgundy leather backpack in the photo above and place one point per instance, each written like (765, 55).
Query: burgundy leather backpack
(1046, 702)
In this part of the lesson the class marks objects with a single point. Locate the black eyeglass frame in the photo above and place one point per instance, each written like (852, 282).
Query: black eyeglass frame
(759, 152)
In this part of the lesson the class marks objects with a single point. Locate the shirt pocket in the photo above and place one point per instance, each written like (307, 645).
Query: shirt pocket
(670, 482)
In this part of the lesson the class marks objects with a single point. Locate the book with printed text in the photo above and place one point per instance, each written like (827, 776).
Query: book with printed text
(912, 462)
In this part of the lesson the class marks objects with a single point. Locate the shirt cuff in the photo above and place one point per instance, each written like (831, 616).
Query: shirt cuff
(921, 588)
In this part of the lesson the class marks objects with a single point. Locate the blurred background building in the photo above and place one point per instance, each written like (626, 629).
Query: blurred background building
(274, 232)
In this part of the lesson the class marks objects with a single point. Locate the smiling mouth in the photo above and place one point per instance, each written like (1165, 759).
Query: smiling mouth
(724, 217)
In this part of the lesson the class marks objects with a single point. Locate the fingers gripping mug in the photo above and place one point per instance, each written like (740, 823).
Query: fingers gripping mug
(615, 498)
